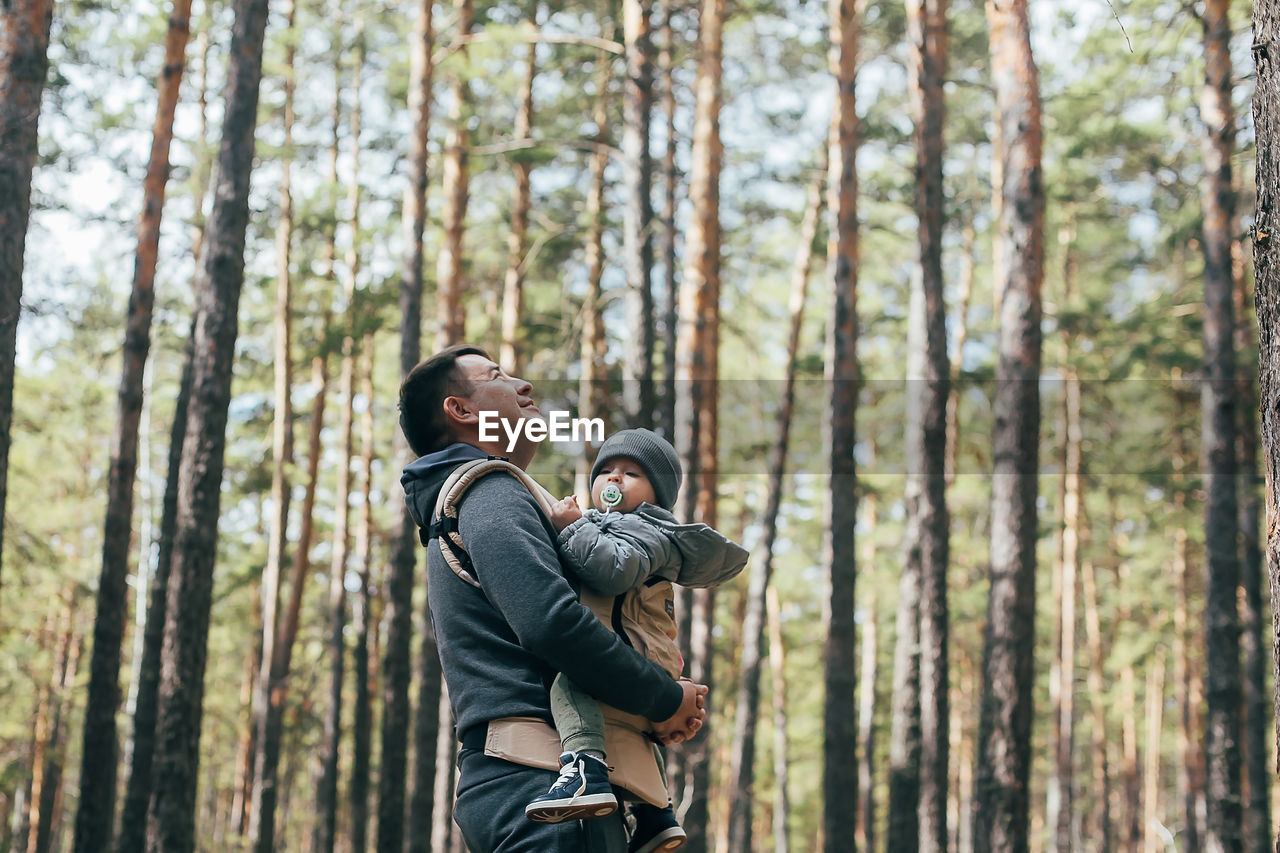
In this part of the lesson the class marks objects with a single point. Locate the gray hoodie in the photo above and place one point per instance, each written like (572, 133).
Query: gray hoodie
(502, 644)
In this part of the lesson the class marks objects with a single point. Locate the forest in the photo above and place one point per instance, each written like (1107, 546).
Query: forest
(948, 307)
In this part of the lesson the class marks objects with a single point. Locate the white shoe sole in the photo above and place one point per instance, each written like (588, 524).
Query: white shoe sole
(668, 839)
(579, 808)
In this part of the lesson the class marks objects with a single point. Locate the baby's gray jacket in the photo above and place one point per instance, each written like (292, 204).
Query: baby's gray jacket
(616, 551)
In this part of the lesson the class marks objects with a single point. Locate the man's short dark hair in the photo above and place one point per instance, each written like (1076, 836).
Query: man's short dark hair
(423, 393)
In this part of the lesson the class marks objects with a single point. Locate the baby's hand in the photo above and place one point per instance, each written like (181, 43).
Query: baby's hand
(565, 512)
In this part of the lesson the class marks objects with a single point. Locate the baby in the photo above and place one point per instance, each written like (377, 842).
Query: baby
(635, 549)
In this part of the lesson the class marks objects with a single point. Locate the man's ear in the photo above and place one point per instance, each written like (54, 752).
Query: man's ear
(458, 410)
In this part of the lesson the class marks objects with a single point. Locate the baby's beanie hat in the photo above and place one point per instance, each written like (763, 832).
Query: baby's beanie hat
(651, 452)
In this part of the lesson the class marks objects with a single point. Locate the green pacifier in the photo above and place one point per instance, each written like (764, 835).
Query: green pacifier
(611, 495)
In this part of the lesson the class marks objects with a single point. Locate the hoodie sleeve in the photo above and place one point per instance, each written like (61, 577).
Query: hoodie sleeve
(614, 557)
(516, 564)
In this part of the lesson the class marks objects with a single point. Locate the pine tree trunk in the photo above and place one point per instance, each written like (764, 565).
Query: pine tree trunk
(247, 745)
(362, 704)
(430, 724)
(592, 400)
(1131, 824)
(965, 288)
(840, 725)
(962, 711)
(394, 733)
(637, 102)
(267, 737)
(928, 391)
(1186, 676)
(1190, 779)
(742, 751)
(1152, 842)
(450, 319)
(904, 731)
(98, 758)
(696, 431)
(1004, 745)
(47, 790)
(24, 63)
(327, 790)
(1223, 689)
(1101, 745)
(445, 746)
(1257, 827)
(670, 179)
(781, 756)
(203, 169)
(1061, 809)
(171, 811)
(865, 825)
(1266, 251)
(133, 822)
(518, 237)
(1130, 794)
(144, 701)
(266, 787)
(20, 824)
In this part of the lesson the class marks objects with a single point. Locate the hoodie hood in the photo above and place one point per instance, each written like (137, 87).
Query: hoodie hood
(423, 478)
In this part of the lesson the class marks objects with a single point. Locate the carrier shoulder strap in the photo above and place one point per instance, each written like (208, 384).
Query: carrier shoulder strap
(444, 519)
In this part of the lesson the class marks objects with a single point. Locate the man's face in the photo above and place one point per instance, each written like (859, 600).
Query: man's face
(492, 390)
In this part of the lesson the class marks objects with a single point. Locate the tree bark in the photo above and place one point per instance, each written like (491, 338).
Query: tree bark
(696, 422)
(95, 815)
(1152, 842)
(394, 733)
(171, 811)
(24, 63)
(133, 822)
(450, 317)
(47, 789)
(518, 237)
(443, 753)
(262, 820)
(1266, 254)
(327, 789)
(247, 744)
(840, 725)
(1004, 749)
(592, 397)
(267, 736)
(1061, 811)
(1224, 830)
(928, 391)
(965, 291)
(781, 751)
(1257, 826)
(865, 825)
(637, 102)
(362, 703)
(1105, 832)
(742, 751)
(903, 832)
(670, 180)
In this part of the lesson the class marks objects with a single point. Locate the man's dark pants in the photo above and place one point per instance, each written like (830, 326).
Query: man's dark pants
(492, 794)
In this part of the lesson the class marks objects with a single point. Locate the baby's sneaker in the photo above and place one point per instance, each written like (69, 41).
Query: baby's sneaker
(582, 791)
(656, 830)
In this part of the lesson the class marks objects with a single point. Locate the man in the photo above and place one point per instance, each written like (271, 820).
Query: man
(501, 642)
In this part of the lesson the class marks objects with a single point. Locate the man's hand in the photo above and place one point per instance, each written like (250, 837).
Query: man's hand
(564, 512)
(687, 720)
